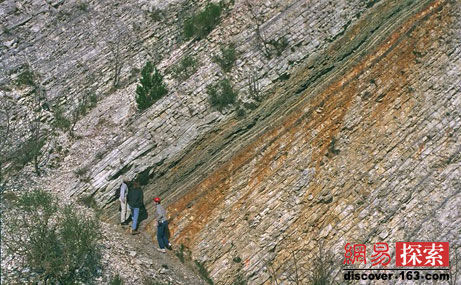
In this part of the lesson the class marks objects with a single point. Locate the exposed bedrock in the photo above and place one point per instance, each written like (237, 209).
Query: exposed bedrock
(365, 149)
(357, 138)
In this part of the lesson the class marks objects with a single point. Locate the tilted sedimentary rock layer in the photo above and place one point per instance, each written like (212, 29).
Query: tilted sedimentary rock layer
(75, 46)
(364, 146)
(357, 139)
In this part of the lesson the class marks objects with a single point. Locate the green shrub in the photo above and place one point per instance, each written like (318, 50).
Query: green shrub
(83, 6)
(221, 94)
(26, 77)
(240, 112)
(322, 266)
(227, 58)
(81, 171)
(185, 68)
(180, 253)
(240, 280)
(116, 280)
(88, 201)
(203, 272)
(29, 150)
(202, 23)
(156, 15)
(250, 105)
(151, 87)
(56, 243)
(93, 100)
(279, 45)
(237, 259)
(332, 147)
(60, 120)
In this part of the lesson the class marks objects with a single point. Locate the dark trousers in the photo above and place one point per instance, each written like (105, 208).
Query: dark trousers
(161, 234)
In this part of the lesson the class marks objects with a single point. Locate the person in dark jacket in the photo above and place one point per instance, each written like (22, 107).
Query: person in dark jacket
(135, 201)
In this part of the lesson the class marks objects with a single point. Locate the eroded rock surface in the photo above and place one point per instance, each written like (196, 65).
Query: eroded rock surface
(356, 138)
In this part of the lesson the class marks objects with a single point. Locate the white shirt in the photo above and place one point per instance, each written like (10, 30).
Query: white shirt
(123, 192)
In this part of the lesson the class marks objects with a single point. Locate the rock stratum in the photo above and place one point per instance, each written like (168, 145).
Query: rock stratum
(357, 138)
(368, 152)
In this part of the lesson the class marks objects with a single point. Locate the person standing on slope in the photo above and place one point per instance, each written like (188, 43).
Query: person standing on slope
(162, 226)
(135, 201)
(124, 210)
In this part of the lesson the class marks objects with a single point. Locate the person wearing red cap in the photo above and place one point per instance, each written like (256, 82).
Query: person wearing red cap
(162, 225)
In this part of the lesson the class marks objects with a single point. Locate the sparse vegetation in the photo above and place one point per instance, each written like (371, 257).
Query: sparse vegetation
(88, 201)
(82, 6)
(187, 66)
(151, 87)
(156, 15)
(332, 150)
(239, 111)
(6, 31)
(60, 120)
(221, 94)
(267, 47)
(279, 45)
(85, 104)
(93, 100)
(30, 150)
(227, 58)
(117, 63)
(26, 77)
(239, 280)
(250, 105)
(7, 141)
(321, 267)
(201, 24)
(116, 280)
(203, 272)
(180, 253)
(81, 171)
(100, 154)
(254, 90)
(56, 243)
(28, 146)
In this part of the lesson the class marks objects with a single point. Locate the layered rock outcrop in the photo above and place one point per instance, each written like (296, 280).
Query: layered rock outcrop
(365, 149)
(356, 140)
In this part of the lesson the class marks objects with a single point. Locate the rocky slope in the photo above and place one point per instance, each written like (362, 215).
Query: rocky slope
(368, 151)
(356, 138)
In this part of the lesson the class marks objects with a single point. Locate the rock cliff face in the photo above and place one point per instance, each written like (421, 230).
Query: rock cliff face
(356, 138)
(365, 149)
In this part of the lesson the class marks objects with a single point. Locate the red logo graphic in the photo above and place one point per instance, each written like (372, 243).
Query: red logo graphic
(356, 254)
(421, 254)
(381, 254)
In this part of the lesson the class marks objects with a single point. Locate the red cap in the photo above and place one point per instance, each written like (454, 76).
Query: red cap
(157, 199)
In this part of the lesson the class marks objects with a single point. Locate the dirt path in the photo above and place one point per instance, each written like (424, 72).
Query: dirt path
(135, 259)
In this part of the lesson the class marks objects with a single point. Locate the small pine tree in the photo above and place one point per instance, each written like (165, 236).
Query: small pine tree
(203, 22)
(151, 88)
